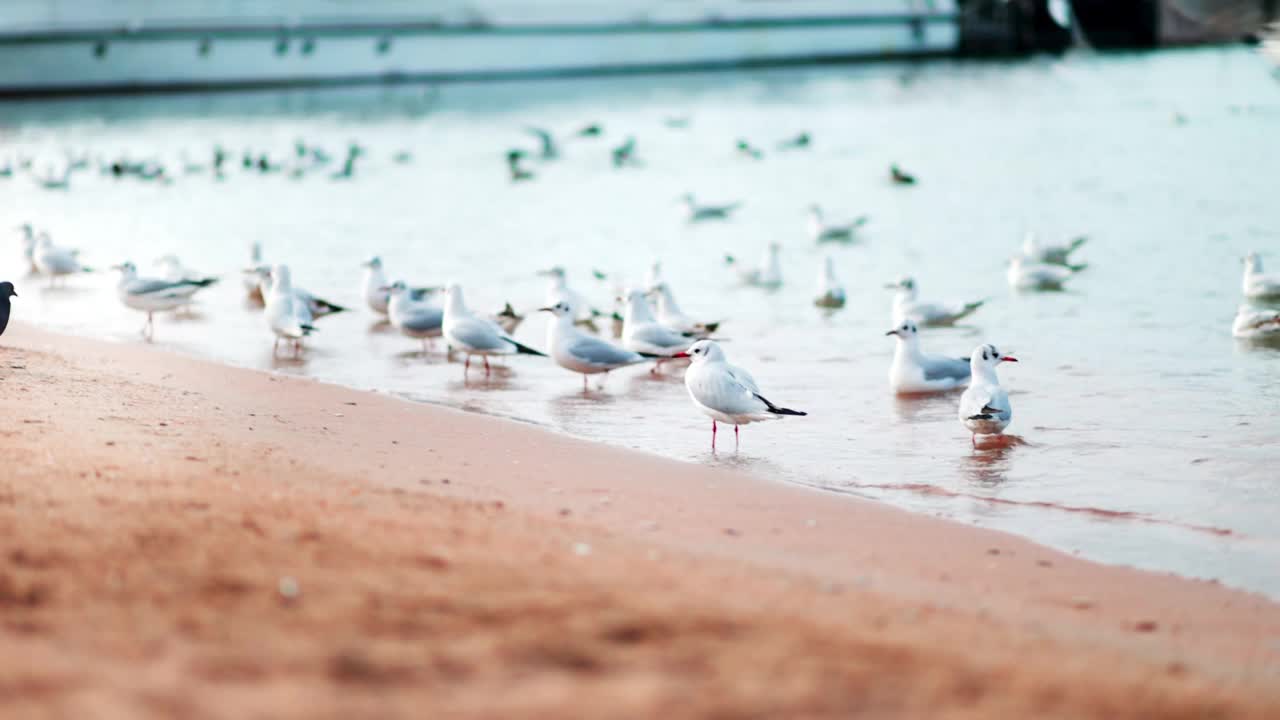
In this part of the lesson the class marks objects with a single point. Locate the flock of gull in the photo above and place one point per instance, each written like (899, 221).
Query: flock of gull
(650, 328)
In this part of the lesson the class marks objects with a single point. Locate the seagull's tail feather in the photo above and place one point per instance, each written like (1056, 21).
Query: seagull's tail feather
(1077, 242)
(1077, 267)
(970, 308)
(778, 410)
(523, 349)
(203, 282)
(860, 221)
(710, 327)
(329, 308)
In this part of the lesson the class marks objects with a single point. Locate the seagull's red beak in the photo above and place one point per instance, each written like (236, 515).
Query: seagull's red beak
(680, 355)
(1008, 358)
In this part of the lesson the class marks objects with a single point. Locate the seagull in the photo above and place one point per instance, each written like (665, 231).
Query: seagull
(558, 291)
(907, 307)
(348, 169)
(377, 292)
(6, 292)
(475, 335)
(413, 317)
(316, 306)
(901, 177)
(700, 213)
(549, 149)
(822, 231)
(518, 174)
(670, 315)
(830, 291)
(1028, 275)
(288, 314)
(745, 149)
(172, 269)
(252, 279)
(591, 130)
(1254, 323)
(625, 154)
(153, 295)
(56, 262)
(1257, 285)
(768, 275)
(1033, 251)
(984, 406)
(641, 333)
(725, 392)
(914, 371)
(801, 141)
(508, 319)
(575, 350)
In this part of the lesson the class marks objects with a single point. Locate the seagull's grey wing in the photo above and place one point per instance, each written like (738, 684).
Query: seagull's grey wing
(152, 286)
(744, 378)
(424, 319)
(986, 403)
(595, 351)
(480, 335)
(655, 334)
(937, 367)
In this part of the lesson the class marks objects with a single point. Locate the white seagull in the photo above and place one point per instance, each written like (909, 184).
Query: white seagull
(318, 307)
(984, 406)
(252, 281)
(768, 275)
(830, 291)
(1034, 251)
(414, 318)
(153, 295)
(914, 371)
(822, 231)
(474, 335)
(575, 350)
(1027, 275)
(29, 239)
(377, 290)
(54, 261)
(1254, 323)
(642, 333)
(693, 212)
(670, 315)
(1258, 285)
(906, 306)
(287, 313)
(724, 392)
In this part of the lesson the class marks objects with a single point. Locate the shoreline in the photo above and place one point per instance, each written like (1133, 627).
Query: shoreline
(177, 439)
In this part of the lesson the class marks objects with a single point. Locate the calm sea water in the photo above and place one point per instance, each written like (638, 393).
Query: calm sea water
(1151, 437)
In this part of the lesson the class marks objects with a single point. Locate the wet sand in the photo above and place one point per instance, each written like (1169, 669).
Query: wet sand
(183, 538)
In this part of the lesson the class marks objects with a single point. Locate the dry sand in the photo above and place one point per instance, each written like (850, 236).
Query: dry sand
(183, 539)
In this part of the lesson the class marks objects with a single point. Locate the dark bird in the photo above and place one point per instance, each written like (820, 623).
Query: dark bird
(518, 174)
(625, 154)
(900, 176)
(746, 149)
(6, 292)
(549, 149)
(798, 142)
(592, 130)
(349, 164)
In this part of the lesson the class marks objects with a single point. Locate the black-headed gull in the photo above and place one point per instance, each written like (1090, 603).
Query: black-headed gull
(287, 313)
(900, 176)
(56, 262)
(414, 317)
(1027, 275)
(575, 350)
(642, 333)
(1258, 285)
(153, 295)
(726, 393)
(830, 291)
(984, 406)
(1037, 252)
(318, 307)
(1253, 323)
(822, 231)
(670, 314)
(906, 306)
(767, 275)
(474, 335)
(694, 212)
(914, 371)
(799, 142)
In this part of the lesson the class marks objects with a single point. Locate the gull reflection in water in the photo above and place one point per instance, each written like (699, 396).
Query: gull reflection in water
(989, 462)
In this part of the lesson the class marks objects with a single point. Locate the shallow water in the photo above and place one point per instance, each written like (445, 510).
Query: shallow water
(1148, 435)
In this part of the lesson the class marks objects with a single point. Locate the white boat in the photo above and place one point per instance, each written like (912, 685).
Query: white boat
(61, 46)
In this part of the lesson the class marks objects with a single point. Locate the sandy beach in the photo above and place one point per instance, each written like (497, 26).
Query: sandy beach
(180, 538)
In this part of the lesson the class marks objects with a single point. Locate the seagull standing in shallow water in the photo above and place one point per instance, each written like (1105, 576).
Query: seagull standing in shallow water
(153, 295)
(474, 335)
(1034, 251)
(1257, 284)
(822, 231)
(670, 315)
(287, 313)
(575, 350)
(726, 393)
(695, 213)
(1027, 275)
(914, 371)
(984, 406)
(768, 275)
(906, 306)
(414, 318)
(1253, 323)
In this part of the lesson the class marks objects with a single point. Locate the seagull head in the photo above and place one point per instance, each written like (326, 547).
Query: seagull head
(985, 358)
(560, 310)
(555, 271)
(906, 332)
(703, 351)
(904, 283)
(373, 263)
